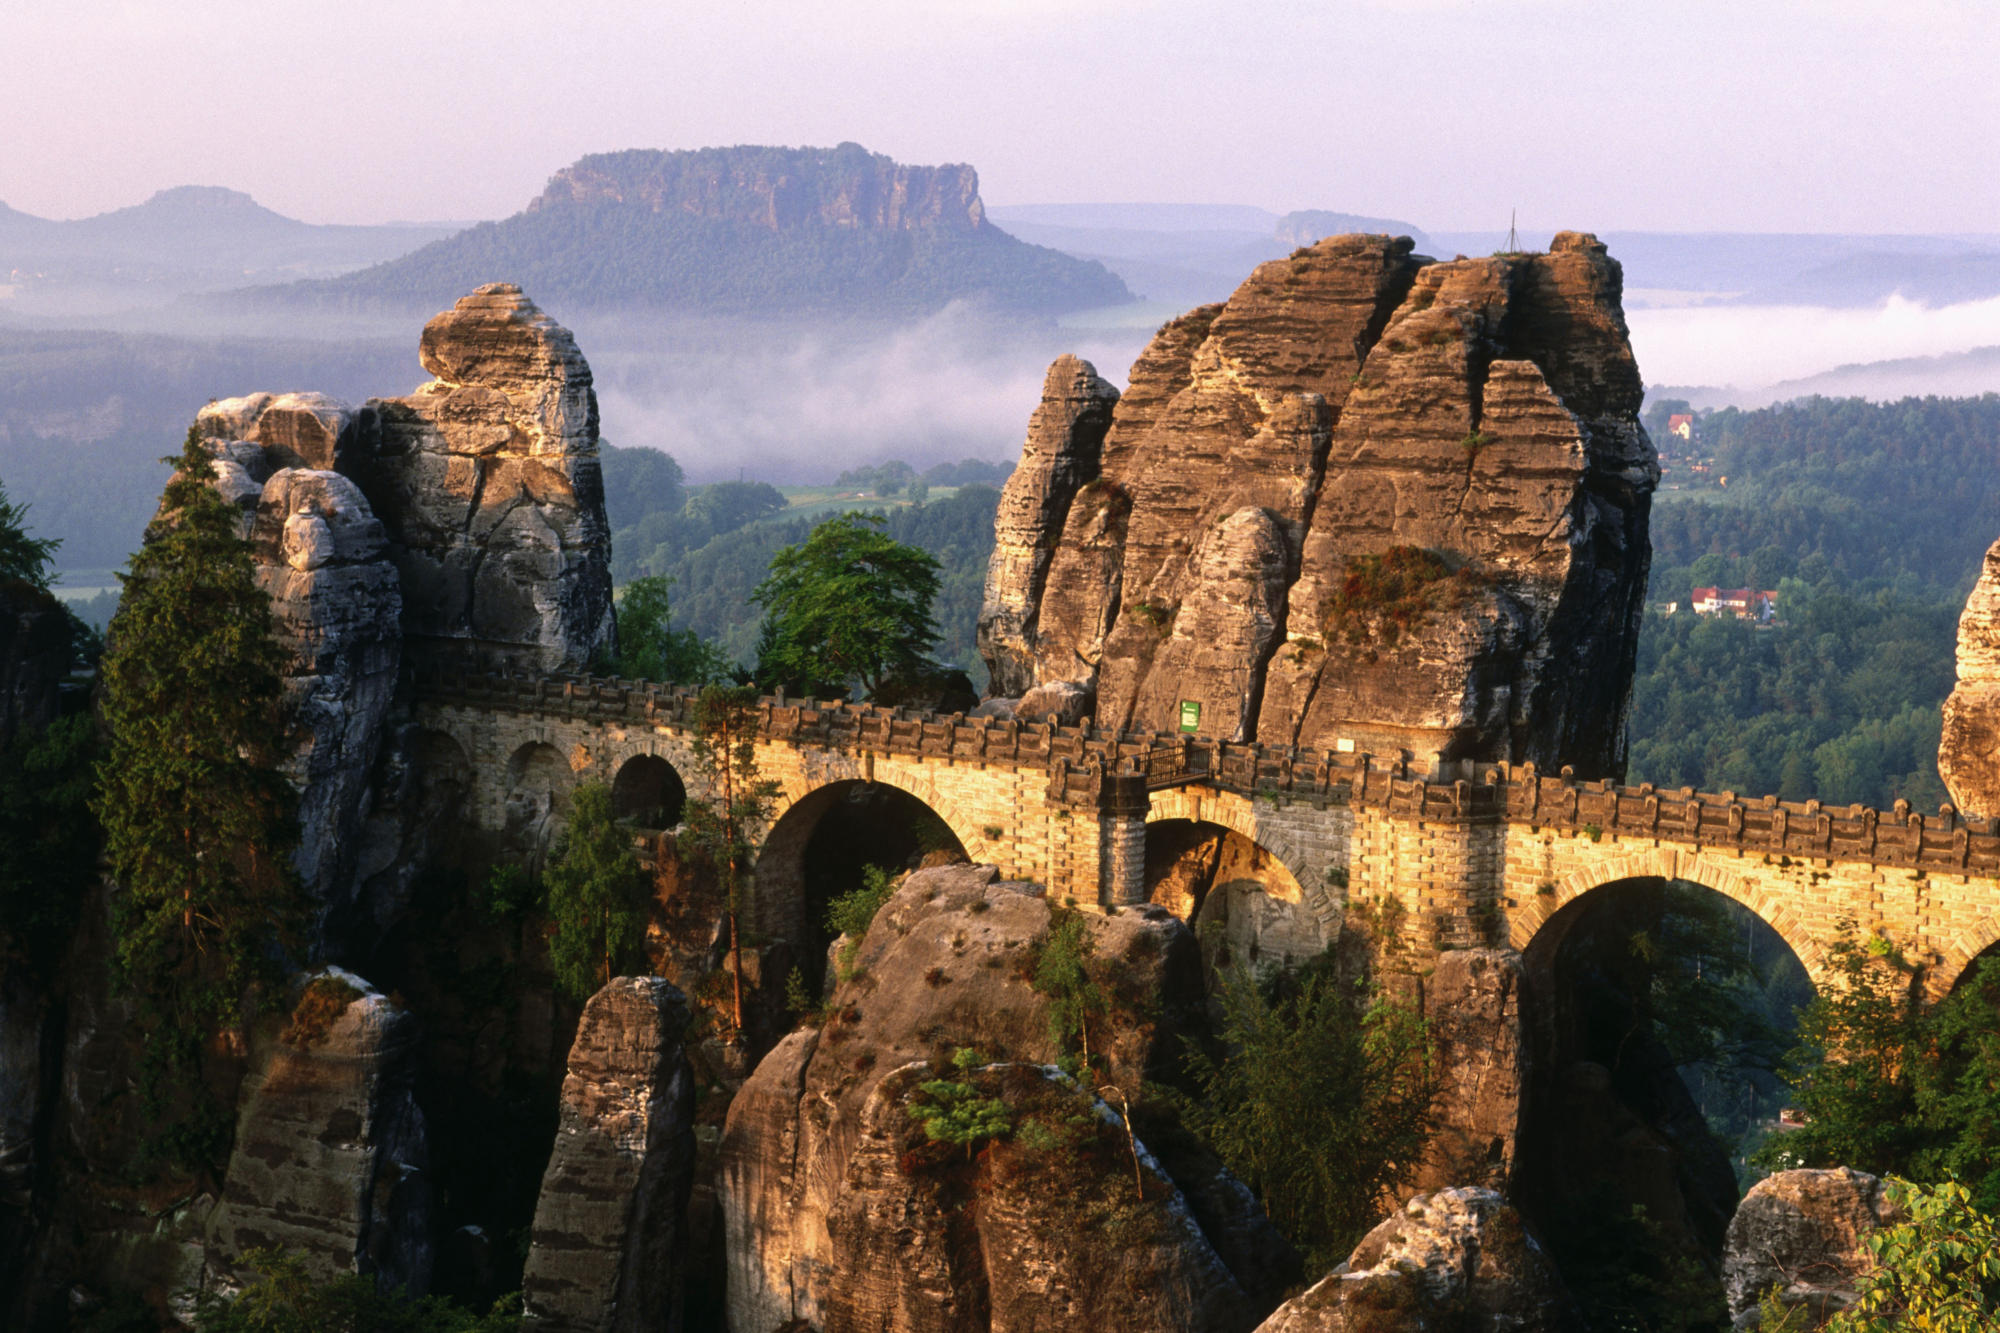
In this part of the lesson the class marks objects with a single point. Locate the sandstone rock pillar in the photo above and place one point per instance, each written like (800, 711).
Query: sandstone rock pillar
(605, 1254)
(331, 1156)
(1969, 752)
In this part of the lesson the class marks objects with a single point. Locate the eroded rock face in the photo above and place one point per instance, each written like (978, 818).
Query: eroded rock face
(1969, 753)
(834, 1213)
(1065, 436)
(1456, 1259)
(606, 1251)
(779, 189)
(487, 482)
(331, 1159)
(1802, 1232)
(1473, 1001)
(1347, 402)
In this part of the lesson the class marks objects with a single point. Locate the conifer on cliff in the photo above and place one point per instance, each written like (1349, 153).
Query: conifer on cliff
(198, 822)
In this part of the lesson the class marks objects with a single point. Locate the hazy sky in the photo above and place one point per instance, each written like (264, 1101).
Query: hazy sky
(1602, 114)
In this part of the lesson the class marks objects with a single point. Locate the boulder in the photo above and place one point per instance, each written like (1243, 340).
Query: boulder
(1473, 423)
(606, 1252)
(1456, 1260)
(331, 1159)
(1969, 751)
(838, 1211)
(1800, 1233)
(1063, 703)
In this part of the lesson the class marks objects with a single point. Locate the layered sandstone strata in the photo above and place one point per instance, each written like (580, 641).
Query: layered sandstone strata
(331, 1158)
(1969, 753)
(607, 1250)
(1370, 499)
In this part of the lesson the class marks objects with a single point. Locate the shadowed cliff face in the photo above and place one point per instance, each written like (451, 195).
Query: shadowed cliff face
(1370, 498)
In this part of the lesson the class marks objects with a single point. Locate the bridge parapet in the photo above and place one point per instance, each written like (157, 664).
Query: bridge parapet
(1469, 853)
(1081, 758)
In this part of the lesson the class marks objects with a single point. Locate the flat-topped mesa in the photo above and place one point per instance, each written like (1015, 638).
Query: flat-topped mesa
(1371, 501)
(780, 189)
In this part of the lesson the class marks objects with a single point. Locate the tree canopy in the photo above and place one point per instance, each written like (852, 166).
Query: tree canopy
(651, 647)
(597, 897)
(198, 821)
(850, 605)
(21, 556)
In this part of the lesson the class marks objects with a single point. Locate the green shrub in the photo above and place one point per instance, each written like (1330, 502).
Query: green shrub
(1939, 1271)
(285, 1298)
(956, 1112)
(853, 912)
(1320, 1106)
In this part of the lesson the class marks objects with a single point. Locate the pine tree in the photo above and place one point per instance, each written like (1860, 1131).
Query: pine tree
(597, 896)
(726, 722)
(198, 822)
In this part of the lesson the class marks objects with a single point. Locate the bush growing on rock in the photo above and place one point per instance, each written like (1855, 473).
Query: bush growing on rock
(1321, 1106)
(286, 1298)
(597, 896)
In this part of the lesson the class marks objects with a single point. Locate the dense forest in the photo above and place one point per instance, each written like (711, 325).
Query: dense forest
(1870, 521)
(716, 542)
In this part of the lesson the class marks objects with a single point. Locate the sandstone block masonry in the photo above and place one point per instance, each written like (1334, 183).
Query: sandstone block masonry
(1464, 856)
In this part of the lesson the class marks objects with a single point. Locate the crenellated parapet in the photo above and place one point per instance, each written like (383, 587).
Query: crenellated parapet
(1460, 855)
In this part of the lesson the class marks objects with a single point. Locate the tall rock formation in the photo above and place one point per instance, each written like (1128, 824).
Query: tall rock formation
(607, 1250)
(1370, 498)
(1969, 752)
(1065, 436)
(487, 481)
(331, 1160)
(460, 526)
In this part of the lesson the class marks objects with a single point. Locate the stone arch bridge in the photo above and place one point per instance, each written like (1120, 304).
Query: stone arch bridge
(1456, 858)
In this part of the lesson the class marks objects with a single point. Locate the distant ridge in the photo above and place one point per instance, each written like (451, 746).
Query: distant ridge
(737, 230)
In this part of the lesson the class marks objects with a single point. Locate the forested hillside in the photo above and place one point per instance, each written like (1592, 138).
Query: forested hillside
(1870, 521)
(716, 542)
(737, 230)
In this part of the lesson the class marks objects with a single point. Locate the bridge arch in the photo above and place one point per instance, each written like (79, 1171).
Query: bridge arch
(821, 837)
(1959, 953)
(1546, 905)
(1208, 863)
(648, 790)
(1239, 816)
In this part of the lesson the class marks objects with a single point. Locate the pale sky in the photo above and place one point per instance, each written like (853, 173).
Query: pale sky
(1598, 114)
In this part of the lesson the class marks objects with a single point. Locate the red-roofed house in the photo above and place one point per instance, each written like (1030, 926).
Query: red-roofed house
(1681, 424)
(1743, 603)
